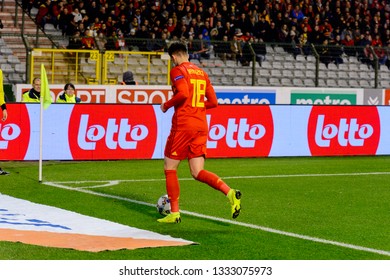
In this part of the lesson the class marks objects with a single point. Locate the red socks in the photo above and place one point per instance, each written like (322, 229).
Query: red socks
(213, 181)
(204, 176)
(173, 189)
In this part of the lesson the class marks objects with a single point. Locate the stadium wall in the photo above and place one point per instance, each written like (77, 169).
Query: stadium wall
(139, 131)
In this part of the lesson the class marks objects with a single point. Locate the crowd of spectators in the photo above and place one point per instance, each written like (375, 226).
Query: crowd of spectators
(336, 25)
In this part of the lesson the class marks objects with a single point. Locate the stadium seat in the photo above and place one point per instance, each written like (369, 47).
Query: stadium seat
(12, 59)
(287, 73)
(7, 68)
(331, 83)
(343, 67)
(20, 68)
(266, 64)
(14, 78)
(289, 65)
(216, 71)
(3, 59)
(262, 81)
(242, 72)
(239, 81)
(343, 75)
(332, 74)
(277, 65)
(353, 75)
(342, 83)
(6, 51)
(263, 72)
(286, 82)
(300, 58)
(385, 84)
(299, 73)
(274, 81)
(308, 83)
(298, 82)
(364, 84)
(276, 73)
(353, 83)
(322, 83)
(228, 71)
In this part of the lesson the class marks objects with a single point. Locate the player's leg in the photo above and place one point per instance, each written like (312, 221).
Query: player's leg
(199, 173)
(172, 182)
(173, 190)
(211, 179)
(196, 162)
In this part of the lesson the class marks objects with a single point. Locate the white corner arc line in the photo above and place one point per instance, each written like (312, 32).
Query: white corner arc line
(265, 229)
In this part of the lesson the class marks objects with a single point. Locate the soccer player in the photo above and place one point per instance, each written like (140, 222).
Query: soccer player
(4, 115)
(192, 95)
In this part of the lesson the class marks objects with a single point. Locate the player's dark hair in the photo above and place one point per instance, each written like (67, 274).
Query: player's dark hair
(177, 47)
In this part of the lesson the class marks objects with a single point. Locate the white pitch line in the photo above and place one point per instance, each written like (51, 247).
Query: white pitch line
(265, 229)
(115, 182)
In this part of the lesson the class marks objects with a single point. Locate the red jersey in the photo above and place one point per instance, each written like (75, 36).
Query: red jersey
(192, 95)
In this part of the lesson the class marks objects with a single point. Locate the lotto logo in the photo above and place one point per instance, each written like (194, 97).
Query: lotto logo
(246, 135)
(350, 131)
(244, 131)
(8, 133)
(102, 133)
(114, 134)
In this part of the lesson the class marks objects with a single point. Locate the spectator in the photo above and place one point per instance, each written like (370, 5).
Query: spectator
(77, 15)
(260, 50)
(69, 95)
(196, 49)
(349, 45)
(112, 42)
(236, 49)
(128, 78)
(88, 42)
(336, 51)
(64, 19)
(43, 14)
(304, 42)
(297, 13)
(123, 25)
(96, 26)
(324, 53)
(222, 49)
(75, 41)
(381, 54)
(34, 94)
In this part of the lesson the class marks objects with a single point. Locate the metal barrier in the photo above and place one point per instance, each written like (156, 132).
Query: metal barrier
(91, 67)
(149, 68)
(63, 66)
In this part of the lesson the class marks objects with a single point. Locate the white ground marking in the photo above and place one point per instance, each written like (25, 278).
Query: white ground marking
(266, 229)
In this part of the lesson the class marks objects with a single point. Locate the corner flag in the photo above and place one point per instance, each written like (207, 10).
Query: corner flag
(45, 91)
(45, 103)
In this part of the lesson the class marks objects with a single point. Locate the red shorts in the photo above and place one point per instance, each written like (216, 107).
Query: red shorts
(186, 144)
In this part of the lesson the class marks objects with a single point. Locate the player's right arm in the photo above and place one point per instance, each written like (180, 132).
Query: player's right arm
(180, 90)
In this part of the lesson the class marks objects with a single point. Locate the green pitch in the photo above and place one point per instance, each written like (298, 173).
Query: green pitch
(330, 208)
